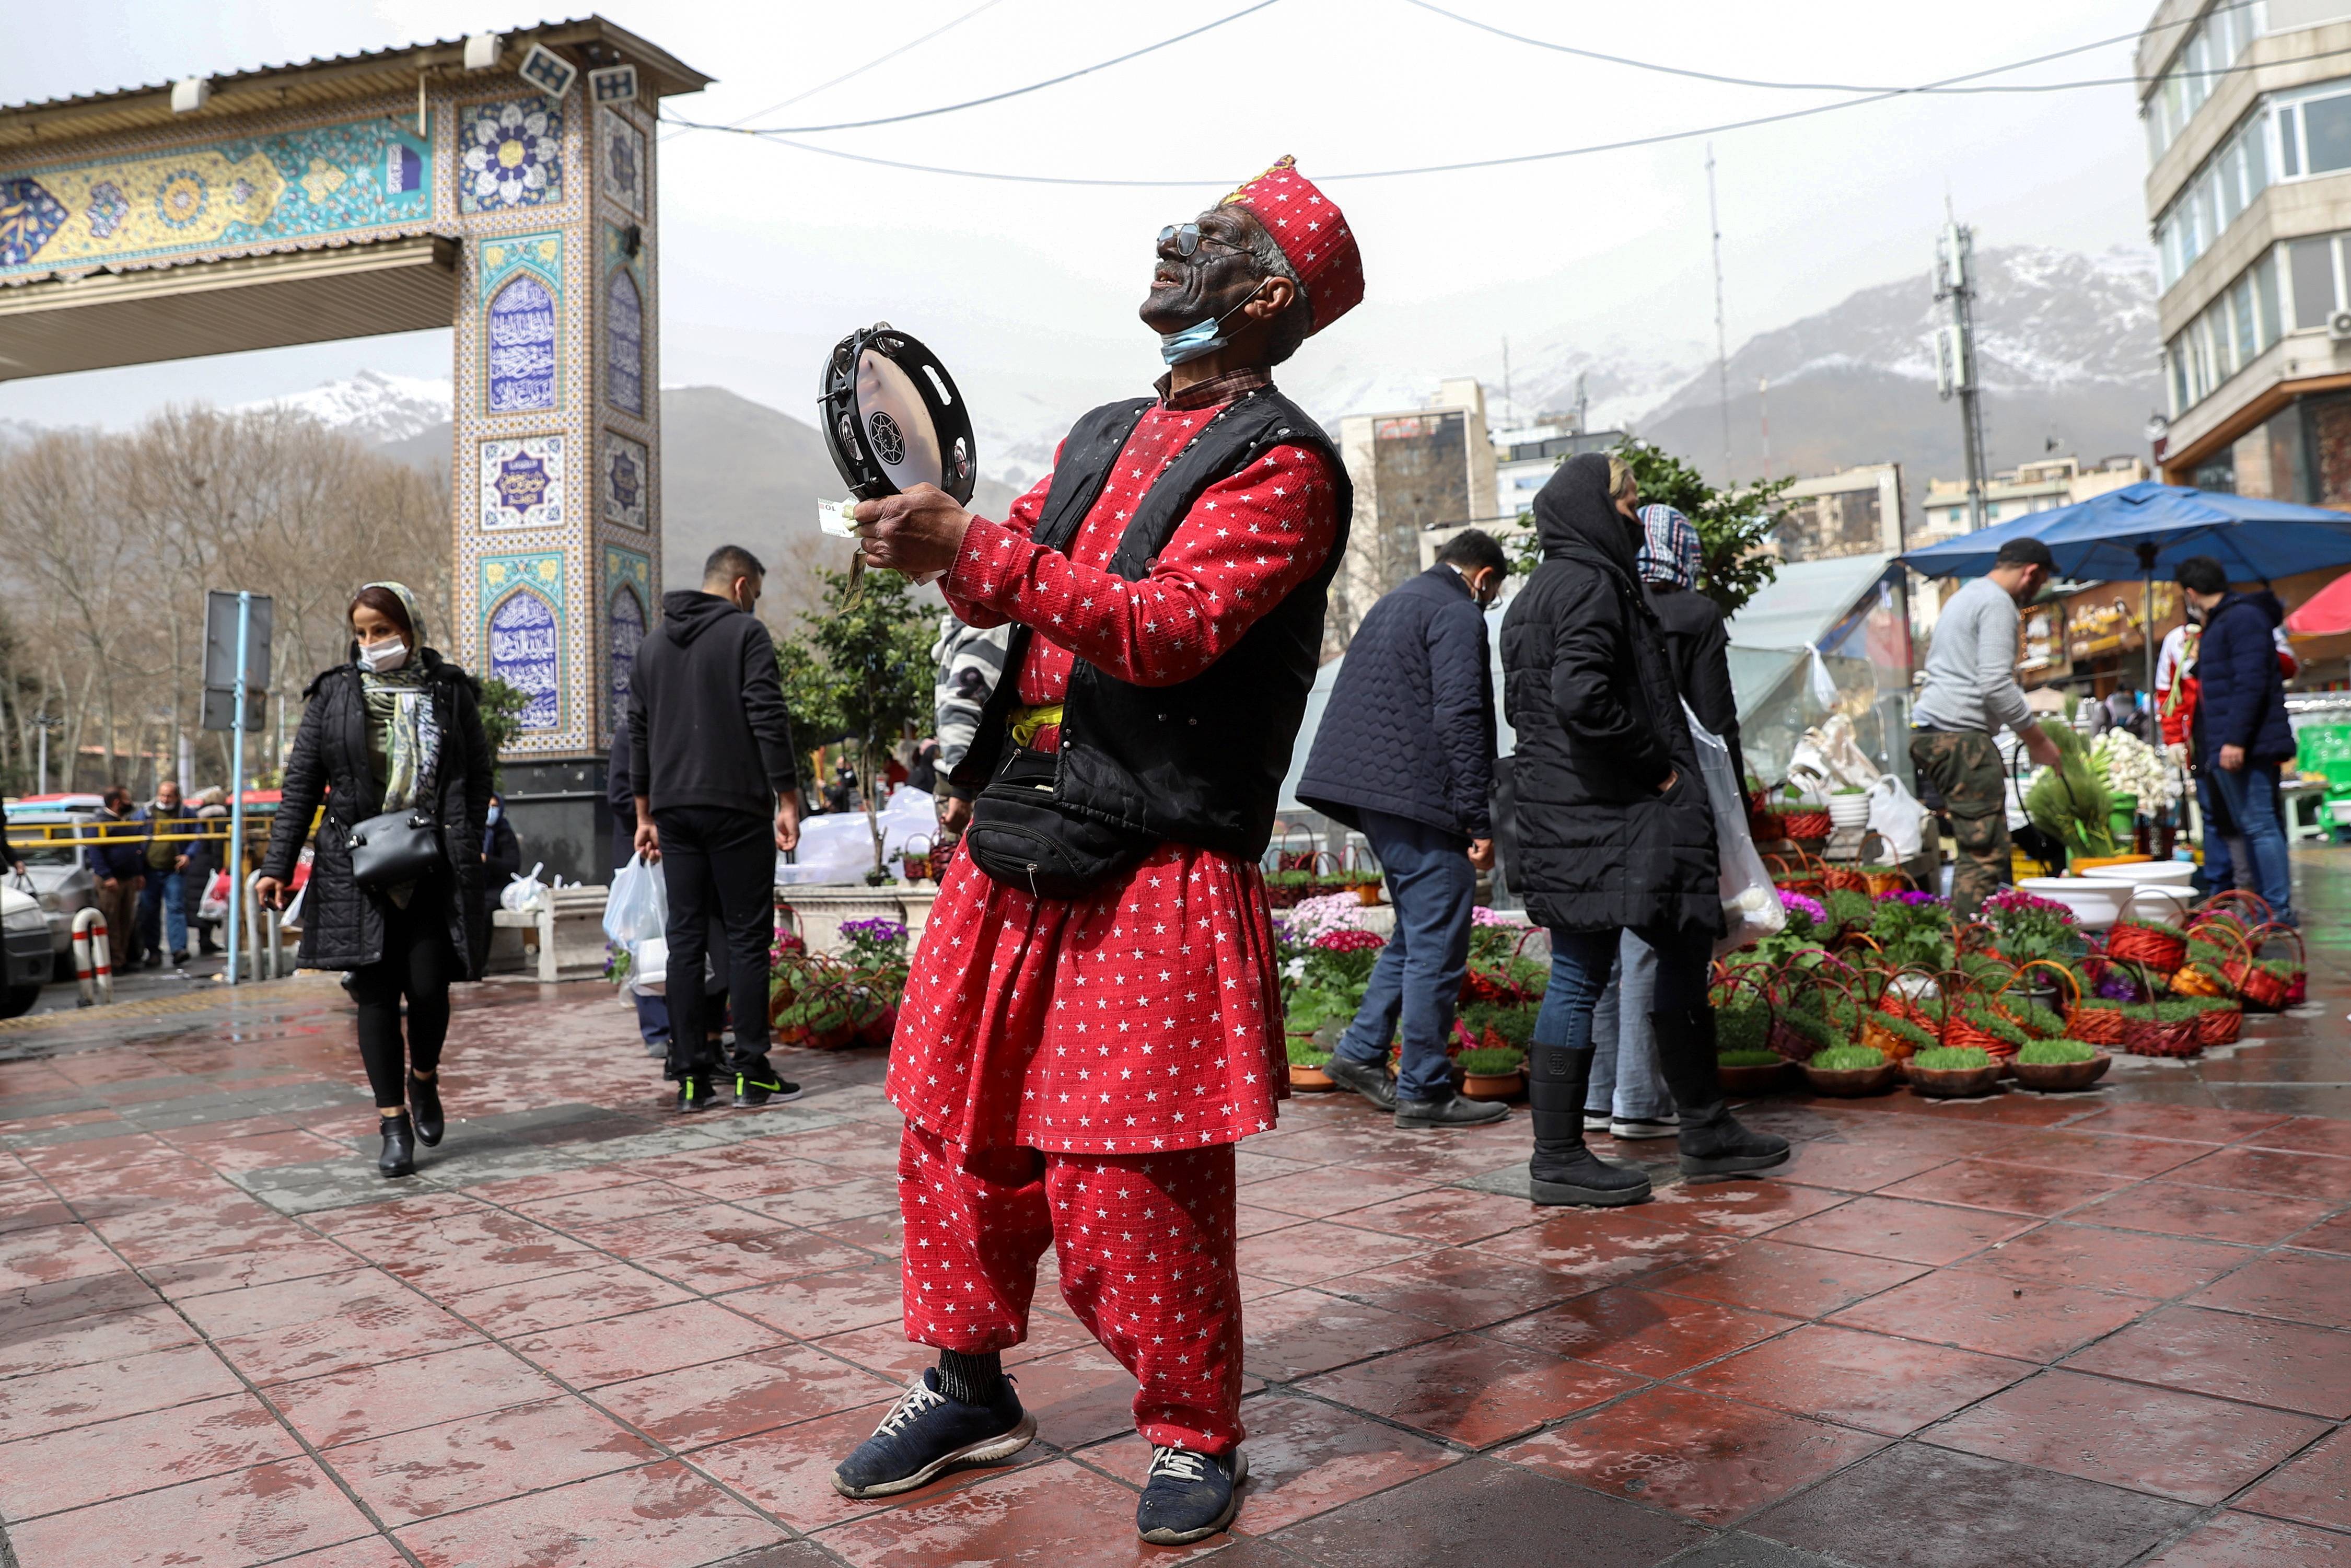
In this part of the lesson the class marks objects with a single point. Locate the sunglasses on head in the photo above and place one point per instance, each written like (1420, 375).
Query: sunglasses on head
(1190, 239)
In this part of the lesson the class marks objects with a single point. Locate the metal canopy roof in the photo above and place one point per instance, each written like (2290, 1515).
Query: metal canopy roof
(369, 73)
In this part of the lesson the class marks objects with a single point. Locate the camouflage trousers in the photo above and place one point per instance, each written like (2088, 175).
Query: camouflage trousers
(1965, 768)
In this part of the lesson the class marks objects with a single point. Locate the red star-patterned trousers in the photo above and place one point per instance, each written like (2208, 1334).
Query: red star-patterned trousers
(1145, 1247)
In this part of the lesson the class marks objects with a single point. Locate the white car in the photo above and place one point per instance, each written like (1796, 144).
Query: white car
(24, 942)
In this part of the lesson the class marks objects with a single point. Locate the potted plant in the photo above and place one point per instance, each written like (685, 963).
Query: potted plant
(2058, 1066)
(1851, 1070)
(1308, 1060)
(1746, 1073)
(1492, 1071)
(1283, 889)
(1913, 929)
(1953, 1072)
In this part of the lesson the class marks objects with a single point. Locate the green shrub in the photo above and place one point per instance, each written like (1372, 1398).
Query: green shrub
(1490, 1062)
(1748, 1058)
(1848, 910)
(1304, 1052)
(1953, 1058)
(1848, 1058)
(1514, 1024)
(2057, 1053)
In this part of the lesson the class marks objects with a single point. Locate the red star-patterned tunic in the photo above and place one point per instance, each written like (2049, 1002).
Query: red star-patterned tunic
(1145, 1017)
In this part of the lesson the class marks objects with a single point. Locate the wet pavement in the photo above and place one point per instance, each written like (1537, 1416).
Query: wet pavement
(2076, 1330)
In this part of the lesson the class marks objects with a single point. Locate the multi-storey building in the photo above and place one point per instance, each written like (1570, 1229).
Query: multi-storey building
(2247, 105)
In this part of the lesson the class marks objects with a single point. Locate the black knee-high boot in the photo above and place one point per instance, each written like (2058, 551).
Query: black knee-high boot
(1561, 1170)
(1712, 1141)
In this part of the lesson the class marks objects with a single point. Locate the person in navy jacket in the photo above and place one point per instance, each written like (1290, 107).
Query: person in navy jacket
(2246, 737)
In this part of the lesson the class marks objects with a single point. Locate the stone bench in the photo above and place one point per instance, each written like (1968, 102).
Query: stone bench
(564, 941)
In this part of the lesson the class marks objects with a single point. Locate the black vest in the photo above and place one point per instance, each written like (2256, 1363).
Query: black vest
(1202, 761)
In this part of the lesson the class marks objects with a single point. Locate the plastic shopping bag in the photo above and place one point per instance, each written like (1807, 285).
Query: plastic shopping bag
(638, 906)
(523, 893)
(1896, 816)
(1751, 904)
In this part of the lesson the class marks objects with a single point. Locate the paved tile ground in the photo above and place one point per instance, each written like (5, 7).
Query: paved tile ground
(2105, 1329)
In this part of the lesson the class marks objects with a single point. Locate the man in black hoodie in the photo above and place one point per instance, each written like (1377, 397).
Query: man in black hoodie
(711, 760)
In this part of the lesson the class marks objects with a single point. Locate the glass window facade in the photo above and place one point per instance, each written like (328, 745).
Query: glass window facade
(2247, 316)
(2212, 46)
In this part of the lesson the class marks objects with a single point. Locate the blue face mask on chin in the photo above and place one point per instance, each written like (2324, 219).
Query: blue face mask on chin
(1202, 337)
(491, 816)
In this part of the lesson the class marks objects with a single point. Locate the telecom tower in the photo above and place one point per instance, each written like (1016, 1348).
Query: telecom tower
(1955, 353)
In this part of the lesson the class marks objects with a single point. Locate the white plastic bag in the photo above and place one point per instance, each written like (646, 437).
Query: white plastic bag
(1896, 816)
(638, 906)
(1751, 904)
(649, 966)
(524, 892)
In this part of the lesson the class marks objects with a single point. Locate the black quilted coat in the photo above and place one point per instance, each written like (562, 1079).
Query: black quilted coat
(343, 924)
(1589, 686)
(1409, 729)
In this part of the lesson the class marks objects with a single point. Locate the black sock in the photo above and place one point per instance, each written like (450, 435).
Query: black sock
(971, 1379)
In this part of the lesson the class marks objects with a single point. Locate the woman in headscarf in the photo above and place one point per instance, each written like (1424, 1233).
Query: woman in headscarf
(1614, 833)
(394, 728)
(1628, 1096)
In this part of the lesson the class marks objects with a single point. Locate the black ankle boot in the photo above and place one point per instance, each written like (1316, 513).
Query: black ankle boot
(1712, 1142)
(399, 1156)
(425, 1105)
(1561, 1170)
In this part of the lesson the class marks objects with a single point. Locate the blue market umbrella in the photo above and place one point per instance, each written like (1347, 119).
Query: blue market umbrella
(2144, 529)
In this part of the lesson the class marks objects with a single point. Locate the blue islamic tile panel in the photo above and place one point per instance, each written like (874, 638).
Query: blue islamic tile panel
(519, 335)
(522, 601)
(621, 162)
(522, 481)
(624, 343)
(625, 481)
(344, 179)
(628, 590)
(509, 155)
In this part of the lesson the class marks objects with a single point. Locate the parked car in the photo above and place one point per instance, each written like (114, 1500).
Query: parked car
(61, 883)
(25, 962)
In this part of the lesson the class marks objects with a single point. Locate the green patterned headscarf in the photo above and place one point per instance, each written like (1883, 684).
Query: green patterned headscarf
(402, 731)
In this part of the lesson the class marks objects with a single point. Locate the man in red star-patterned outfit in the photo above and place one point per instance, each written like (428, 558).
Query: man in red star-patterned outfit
(1076, 1071)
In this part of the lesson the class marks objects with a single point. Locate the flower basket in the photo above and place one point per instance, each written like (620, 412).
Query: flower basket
(1890, 880)
(2094, 1024)
(1845, 879)
(2298, 978)
(1798, 874)
(1963, 1033)
(2160, 948)
(2221, 1022)
(1808, 826)
(2195, 980)
(2063, 1077)
(2160, 1037)
(2263, 990)
(1877, 1034)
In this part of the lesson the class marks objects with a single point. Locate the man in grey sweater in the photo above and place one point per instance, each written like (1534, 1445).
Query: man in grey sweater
(1970, 692)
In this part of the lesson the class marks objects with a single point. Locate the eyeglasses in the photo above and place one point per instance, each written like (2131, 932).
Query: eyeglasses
(1190, 239)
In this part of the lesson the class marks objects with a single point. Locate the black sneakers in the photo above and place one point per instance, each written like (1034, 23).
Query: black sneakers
(1188, 1496)
(926, 1432)
(764, 1087)
(694, 1092)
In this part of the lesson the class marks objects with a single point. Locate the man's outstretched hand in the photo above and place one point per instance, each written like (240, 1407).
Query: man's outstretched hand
(916, 533)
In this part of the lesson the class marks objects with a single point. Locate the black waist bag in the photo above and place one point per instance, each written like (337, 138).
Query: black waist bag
(1023, 838)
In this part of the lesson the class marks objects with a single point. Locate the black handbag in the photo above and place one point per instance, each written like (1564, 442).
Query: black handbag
(396, 847)
(1020, 836)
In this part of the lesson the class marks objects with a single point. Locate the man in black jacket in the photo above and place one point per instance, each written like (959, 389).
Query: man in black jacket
(710, 756)
(1406, 755)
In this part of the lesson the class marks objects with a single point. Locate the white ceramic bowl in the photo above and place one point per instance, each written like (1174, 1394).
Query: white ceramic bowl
(2164, 874)
(1849, 810)
(2158, 902)
(2095, 905)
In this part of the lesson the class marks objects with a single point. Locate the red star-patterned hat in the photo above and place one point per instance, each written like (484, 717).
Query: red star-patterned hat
(1312, 234)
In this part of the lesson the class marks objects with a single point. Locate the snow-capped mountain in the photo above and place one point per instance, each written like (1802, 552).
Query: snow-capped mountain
(373, 407)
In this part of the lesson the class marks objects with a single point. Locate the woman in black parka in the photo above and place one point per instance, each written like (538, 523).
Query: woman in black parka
(395, 727)
(1613, 832)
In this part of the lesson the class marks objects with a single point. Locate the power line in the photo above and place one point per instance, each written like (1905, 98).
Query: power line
(1835, 87)
(1945, 85)
(991, 97)
(845, 76)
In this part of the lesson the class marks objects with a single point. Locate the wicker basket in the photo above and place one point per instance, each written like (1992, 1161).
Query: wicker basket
(1875, 1034)
(1961, 1032)
(2149, 1037)
(2195, 980)
(1802, 826)
(2094, 1026)
(2220, 1025)
(1845, 879)
(2160, 951)
(2260, 988)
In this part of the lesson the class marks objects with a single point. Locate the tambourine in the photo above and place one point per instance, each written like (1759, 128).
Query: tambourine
(892, 417)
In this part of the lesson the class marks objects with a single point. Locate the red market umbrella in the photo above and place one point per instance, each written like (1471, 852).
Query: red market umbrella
(2325, 613)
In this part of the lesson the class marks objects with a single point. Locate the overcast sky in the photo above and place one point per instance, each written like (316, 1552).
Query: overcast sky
(770, 253)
